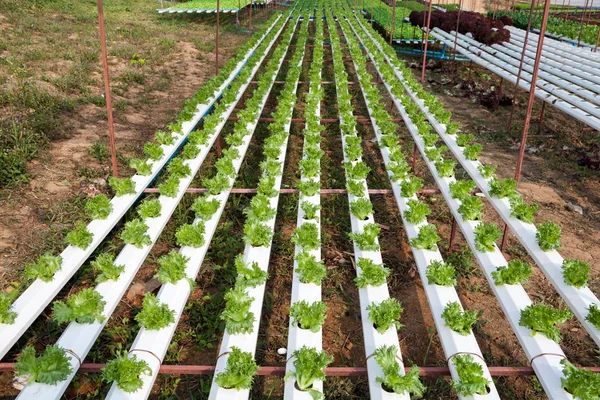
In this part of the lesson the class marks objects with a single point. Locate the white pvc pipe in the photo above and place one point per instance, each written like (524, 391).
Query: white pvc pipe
(540, 93)
(39, 294)
(552, 40)
(544, 84)
(309, 292)
(551, 60)
(550, 262)
(578, 86)
(512, 298)
(371, 295)
(579, 46)
(260, 255)
(437, 296)
(175, 296)
(79, 338)
(569, 52)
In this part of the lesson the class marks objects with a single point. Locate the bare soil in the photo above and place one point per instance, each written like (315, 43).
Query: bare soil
(35, 216)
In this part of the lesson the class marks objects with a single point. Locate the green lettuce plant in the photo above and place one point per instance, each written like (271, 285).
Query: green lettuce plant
(126, 371)
(84, 307)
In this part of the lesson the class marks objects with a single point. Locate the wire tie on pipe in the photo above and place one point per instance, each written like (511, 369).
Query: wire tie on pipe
(546, 354)
(149, 352)
(222, 354)
(289, 358)
(71, 352)
(465, 352)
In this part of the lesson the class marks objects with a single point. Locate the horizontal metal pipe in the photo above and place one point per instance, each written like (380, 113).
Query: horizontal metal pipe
(322, 83)
(291, 191)
(280, 370)
(323, 120)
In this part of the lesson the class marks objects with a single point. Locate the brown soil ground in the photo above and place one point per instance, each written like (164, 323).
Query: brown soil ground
(36, 215)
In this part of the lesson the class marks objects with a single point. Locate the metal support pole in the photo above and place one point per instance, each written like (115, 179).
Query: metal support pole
(426, 43)
(217, 39)
(597, 39)
(581, 23)
(414, 158)
(590, 12)
(402, 27)
(534, 75)
(393, 23)
(111, 126)
(372, 12)
(541, 124)
(250, 20)
(455, 40)
(452, 236)
(512, 111)
(567, 13)
(504, 237)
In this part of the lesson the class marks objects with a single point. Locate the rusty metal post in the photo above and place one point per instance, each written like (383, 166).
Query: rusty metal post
(217, 39)
(452, 236)
(426, 43)
(111, 126)
(393, 23)
(541, 124)
(372, 12)
(534, 75)
(567, 13)
(455, 40)
(597, 39)
(590, 13)
(402, 27)
(422, 33)
(414, 158)
(250, 20)
(504, 238)
(512, 111)
(581, 23)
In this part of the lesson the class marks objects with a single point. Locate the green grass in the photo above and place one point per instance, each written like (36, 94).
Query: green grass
(210, 4)
(50, 68)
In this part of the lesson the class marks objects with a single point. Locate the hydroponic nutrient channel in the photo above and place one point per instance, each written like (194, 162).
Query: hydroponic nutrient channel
(281, 68)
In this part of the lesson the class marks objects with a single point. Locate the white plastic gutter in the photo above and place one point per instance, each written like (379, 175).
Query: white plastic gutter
(370, 295)
(157, 342)
(551, 60)
(260, 255)
(570, 44)
(39, 294)
(437, 296)
(566, 51)
(545, 353)
(562, 62)
(580, 87)
(175, 296)
(79, 338)
(550, 40)
(550, 262)
(551, 85)
(540, 93)
(308, 292)
(581, 45)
